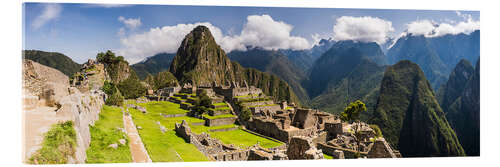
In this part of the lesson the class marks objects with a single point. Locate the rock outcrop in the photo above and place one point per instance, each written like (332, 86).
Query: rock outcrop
(62, 103)
(410, 116)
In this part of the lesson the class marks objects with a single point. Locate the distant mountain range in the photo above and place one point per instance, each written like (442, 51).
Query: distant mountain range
(436, 56)
(55, 60)
(153, 65)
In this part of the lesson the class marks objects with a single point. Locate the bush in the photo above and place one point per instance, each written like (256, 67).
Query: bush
(202, 103)
(246, 114)
(131, 87)
(58, 144)
(115, 99)
(378, 132)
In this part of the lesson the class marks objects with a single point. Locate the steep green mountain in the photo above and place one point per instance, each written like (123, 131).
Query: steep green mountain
(339, 62)
(457, 81)
(346, 72)
(304, 59)
(55, 60)
(201, 61)
(273, 62)
(363, 83)
(153, 65)
(436, 55)
(463, 114)
(410, 117)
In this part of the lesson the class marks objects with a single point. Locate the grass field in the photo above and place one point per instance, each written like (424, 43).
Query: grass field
(164, 107)
(164, 147)
(104, 133)
(243, 139)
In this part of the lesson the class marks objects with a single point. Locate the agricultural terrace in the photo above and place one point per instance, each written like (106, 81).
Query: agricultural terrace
(167, 146)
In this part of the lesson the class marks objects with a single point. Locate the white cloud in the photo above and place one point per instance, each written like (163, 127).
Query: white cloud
(363, 29)
(158, 40)
(263, 31)
(50, 12)
(106, 5)
(130, 22)
(431, 29)
(259, 31)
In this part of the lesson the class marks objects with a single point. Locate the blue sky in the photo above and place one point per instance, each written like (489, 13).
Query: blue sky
(80, 31)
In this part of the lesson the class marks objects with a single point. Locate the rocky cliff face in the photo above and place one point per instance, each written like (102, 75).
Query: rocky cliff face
(49, 99)
(410, 116)
(201, 61)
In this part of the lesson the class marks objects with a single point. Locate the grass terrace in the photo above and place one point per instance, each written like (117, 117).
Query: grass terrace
(243, 139)
(218, 116)
(221, 108)
(264, 105)
(249, 95)
(254, 99)
(164, 107)
(104, 133)
(164, 147)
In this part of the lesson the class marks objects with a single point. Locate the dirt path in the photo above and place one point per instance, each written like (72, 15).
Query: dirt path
(137, 149)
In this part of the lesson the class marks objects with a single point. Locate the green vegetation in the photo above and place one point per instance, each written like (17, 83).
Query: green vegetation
(264, 105)
(164, 107)
(220, 104)
(378, 132)
(246, 114)
(55, 60)
(58, 145)
(104, 133)
(254, 99)
(202, 104)
(406, 102)
(243, 139)
(161, 80)
(218, 116)
(351, 114)
(164, 147)
(327, 156)
(222, 108)
(115, 99)
(131, 87)
(153, 65)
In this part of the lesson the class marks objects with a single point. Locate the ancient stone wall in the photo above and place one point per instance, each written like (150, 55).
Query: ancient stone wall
(330, 150)
(304, 118)
(333, 129)
(219, 121)
(301, 147)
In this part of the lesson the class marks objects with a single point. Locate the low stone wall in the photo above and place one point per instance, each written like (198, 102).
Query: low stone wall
(258, 103)
(274, 129)
(330, 150)
(173, 115)
(218, 112)
(223, 129)
(220, 121)
(241, 155)
(265, 108)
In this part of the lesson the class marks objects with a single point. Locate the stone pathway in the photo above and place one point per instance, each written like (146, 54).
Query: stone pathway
(137, 149)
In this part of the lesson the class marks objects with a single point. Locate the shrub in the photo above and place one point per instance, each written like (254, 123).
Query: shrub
(115, 99)
(59, 143)
(246, 114)
(131, 87)
(202, 103)
(378, 132)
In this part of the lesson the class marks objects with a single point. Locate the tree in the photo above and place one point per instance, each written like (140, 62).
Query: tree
(116, 98)
(351, 114)
(131, 87)
(165, 79)
(202, 103)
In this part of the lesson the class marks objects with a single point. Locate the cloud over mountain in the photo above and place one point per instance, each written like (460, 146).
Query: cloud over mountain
(431, 29)
(363, 29)
(49, 12)
(259, 31)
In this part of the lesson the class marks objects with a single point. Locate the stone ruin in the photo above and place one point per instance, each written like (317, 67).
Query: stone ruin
(301, 147)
